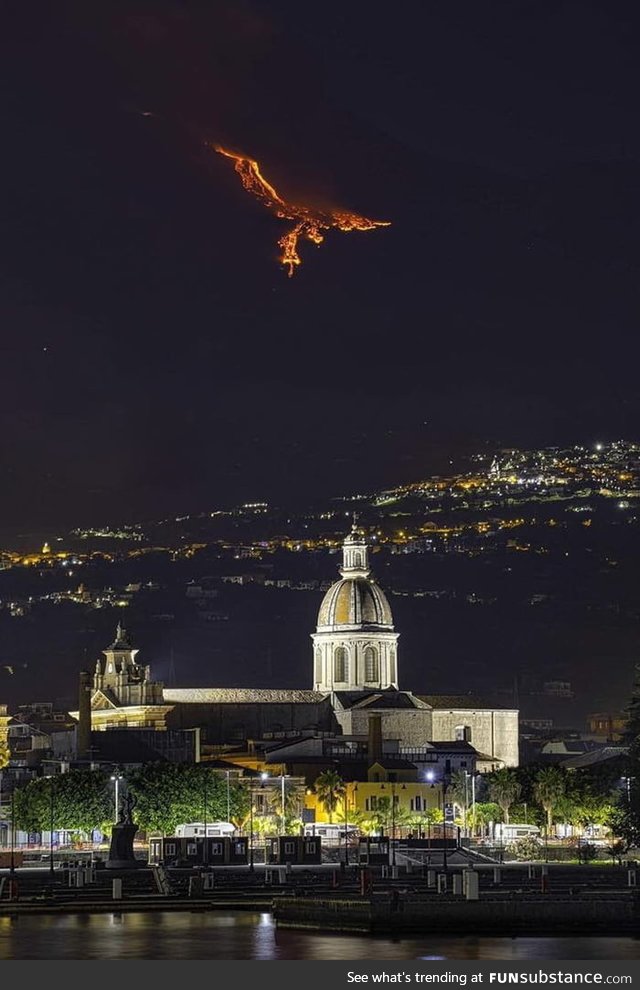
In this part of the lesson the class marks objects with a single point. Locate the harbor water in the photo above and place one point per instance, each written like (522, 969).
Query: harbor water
(229, 935)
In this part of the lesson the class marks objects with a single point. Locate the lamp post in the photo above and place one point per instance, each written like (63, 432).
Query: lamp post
(116, 778)
(466, 801)
(251, 866)
(51, 813)
(204, 840)
(446, 780)
(282, 803)
(12, 868)
(473, 799)
(346, 826)
(392, 778)
(228, 772)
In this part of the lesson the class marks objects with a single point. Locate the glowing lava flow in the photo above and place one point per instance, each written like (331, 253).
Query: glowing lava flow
(308, 222)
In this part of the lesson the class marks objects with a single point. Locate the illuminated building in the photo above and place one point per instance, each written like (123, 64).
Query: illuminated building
(355, 644)
(355, 673)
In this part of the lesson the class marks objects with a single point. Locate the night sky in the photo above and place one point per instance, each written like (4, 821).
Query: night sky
(154, 355)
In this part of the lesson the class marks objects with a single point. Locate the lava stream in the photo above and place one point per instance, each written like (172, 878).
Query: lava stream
(308, 222)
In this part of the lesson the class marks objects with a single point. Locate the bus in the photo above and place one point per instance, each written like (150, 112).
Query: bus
(191, 829)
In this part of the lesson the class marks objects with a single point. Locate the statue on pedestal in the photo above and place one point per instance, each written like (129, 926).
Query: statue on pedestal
(121, 855)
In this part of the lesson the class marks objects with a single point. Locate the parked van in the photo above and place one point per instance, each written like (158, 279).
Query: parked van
(335, 833)
(192, 829)
(508, 833)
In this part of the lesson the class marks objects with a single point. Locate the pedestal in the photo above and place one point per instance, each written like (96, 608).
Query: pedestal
(121, 855)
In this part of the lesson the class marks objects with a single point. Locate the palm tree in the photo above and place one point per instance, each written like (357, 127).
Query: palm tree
(330, 789)
(504, 789)
(459, 790)
(549, 788)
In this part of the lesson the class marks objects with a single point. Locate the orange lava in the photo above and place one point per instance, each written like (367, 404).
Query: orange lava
(308, 222)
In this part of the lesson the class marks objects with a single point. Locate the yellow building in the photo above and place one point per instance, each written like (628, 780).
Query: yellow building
(369, 797)
(5, 754)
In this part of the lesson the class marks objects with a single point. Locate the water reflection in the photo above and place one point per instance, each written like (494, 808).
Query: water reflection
(247, 935)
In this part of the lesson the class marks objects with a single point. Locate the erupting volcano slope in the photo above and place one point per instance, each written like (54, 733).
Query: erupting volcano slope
(308, 222)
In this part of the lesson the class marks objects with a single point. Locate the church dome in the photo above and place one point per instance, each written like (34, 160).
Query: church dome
(355, 644)
(355, 601)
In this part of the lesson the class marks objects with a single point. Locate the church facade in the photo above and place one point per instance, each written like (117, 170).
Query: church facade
(355, 677)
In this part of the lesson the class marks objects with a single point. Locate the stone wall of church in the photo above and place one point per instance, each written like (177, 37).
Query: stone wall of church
(493, 732)
(411, 726)
(229, 723)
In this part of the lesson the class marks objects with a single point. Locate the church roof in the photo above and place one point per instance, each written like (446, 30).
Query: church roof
(595, 756)
(389, 763)
(355, 601)
(460, 701)
(241, 696)
(379, 699)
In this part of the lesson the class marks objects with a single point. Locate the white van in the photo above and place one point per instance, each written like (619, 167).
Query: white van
(192, 829)
(332, 833)
(507, 833)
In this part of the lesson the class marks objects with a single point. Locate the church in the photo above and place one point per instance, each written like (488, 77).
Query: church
(355, 680)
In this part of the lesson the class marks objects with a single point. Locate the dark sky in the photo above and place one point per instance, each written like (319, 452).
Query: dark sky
(155, 357)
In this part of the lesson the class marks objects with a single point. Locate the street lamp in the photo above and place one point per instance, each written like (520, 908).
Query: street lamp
(263, 777)
(283, 777)
(251, 866)
(466, 802)
(346, 823)
(473, 798)
(446, 780)
(116, 801)
(469, 832)
(51, 815)
(392, 778)
(282, 815)
(204, 840)
(228, 797)
(13, 829)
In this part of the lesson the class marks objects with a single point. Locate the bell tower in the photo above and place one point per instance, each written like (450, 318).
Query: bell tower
(128, 682)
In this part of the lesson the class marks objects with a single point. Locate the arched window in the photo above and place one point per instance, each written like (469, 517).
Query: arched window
(340, 664)
(371, 666)
(318, 666)
(357, 560)
(392, 666)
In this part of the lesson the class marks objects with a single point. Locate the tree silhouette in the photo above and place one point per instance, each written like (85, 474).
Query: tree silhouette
(550, 788)
(330, 789)
(504, 788)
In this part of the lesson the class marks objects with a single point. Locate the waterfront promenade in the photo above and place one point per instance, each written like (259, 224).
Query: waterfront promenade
(513, 899)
